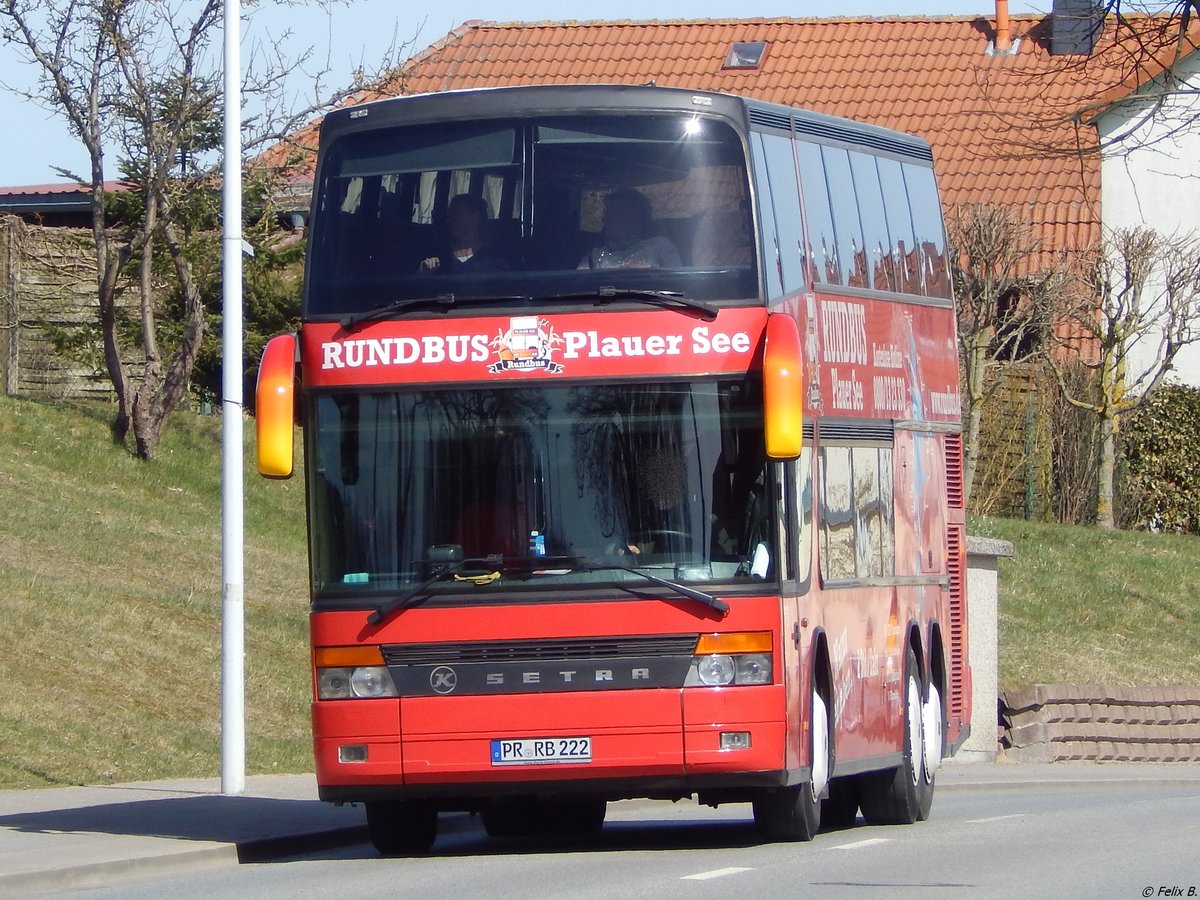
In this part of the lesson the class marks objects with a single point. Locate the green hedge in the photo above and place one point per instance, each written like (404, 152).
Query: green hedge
(1160, 458)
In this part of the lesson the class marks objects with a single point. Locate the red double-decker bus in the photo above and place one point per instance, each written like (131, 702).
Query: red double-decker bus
(633, 457)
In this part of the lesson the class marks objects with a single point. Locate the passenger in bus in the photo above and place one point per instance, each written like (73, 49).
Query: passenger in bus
(721, 238)
(466, 219)
(628, 241)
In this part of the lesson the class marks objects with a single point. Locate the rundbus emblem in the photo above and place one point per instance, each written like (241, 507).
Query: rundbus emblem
(527, 345)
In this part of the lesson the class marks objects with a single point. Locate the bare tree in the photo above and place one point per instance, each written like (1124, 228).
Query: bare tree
(140, 79)
(1137, 308)
(1003, 309)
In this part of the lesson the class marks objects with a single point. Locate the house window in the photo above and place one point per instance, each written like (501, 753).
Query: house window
(746, 55)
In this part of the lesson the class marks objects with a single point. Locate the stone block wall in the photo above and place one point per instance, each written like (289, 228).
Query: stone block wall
(1049, 722)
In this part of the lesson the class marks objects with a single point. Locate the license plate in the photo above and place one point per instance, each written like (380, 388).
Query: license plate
(541, 751)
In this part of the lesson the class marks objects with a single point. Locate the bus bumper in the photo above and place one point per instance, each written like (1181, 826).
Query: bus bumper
(643, 743)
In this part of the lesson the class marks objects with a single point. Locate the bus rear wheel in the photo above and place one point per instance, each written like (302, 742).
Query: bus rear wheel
(903, 795)
(793, 813)
(402, 827)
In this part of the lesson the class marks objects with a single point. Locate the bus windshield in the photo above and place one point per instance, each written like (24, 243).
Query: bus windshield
(537, 486)
(545, 207)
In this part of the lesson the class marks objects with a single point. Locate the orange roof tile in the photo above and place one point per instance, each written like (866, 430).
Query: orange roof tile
(1004, 128)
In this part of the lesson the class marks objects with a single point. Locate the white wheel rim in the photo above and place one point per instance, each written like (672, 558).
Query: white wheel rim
(915, 717)
(820, 745)
(933, 732)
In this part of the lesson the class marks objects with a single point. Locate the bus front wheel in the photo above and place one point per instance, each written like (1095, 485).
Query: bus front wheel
(402, 827)
(793, 813)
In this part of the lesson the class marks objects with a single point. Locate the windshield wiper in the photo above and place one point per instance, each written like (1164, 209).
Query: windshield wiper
(691, 593)
(665, 299)
(440, 301)
(499, 564)
(396, 306)
(579, 564)
(411, 596)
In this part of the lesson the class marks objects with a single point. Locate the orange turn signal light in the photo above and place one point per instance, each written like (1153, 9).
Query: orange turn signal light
(347, 657)
(783, 388)
(734, 642)
(274, 407)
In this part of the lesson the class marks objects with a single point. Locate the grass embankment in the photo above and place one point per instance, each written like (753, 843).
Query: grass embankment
(110, 605)
(1087, 606)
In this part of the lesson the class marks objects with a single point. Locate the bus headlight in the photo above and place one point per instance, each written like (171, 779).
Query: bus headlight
(348, 673)
(372, 681)
(752, 668)
(715, 670)
(740, 658)
(333, 684)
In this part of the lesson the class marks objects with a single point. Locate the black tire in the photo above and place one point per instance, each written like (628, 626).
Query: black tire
(840, 809)
(794, 813)
(514, 817)
(897, 796)
(402, 827)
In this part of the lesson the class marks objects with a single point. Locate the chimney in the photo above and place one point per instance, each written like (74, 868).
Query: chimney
(1075, 26)
(1003, 29)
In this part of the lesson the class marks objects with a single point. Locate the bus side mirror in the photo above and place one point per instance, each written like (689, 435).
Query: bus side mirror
(783, 388)
(274, 407)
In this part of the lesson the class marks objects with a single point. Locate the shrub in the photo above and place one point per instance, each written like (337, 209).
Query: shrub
(1160, 457)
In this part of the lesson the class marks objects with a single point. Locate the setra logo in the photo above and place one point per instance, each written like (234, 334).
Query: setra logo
(443, 680)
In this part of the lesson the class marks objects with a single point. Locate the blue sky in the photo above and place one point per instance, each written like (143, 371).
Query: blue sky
(36, 141)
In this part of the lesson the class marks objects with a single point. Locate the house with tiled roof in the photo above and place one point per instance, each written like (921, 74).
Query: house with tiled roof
(62, 204)
(1053, 115)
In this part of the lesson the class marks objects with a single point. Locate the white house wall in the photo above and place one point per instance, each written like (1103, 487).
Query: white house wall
(1151, 176)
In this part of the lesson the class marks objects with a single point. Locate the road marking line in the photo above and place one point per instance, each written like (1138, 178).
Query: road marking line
(993, 819)
(857, 844)
(715, 873)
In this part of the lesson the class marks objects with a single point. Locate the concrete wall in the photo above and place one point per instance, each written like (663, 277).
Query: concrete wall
(1049, 722)
(983, 644)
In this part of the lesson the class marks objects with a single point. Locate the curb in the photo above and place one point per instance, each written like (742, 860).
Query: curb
(107, 872)
(177, 861)
(202, 857)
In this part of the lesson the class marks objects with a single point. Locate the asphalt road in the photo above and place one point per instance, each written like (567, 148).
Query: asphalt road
(1069, 840)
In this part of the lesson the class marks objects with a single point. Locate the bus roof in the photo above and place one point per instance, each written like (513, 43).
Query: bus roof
(560, 99)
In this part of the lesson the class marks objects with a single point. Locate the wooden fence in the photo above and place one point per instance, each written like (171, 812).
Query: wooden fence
(49, 297)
